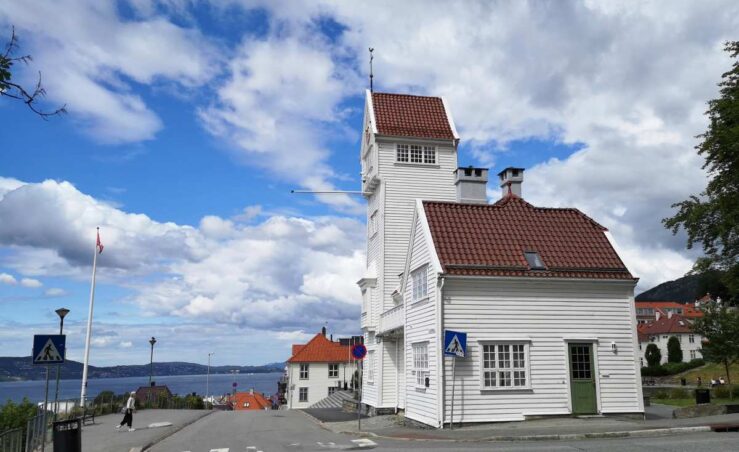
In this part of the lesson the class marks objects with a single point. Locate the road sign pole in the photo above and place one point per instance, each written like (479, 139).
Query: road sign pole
(451, 419)
(359, 402)
(46, 401)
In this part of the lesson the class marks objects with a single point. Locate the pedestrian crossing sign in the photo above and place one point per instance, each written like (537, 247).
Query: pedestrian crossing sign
(49, 348)
(455, 344)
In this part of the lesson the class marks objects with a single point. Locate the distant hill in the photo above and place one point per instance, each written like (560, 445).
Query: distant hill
(684, 290)
(20, 368)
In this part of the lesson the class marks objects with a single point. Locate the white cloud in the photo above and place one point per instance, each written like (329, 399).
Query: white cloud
(229, 272)
(55, 292)
(278, 107)
(31, 283)
(88, 53)
(8, 279)
(125, 344)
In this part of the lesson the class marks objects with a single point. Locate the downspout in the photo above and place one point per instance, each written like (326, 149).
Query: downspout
(440, 348)
(397, 377)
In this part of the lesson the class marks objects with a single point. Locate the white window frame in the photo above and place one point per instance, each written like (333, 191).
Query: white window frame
(336, 370)
(370, 370)
(372, 226)
(332, 390)
(511, 369)
(304, 371)
(300, 394)
(693, 354)
(419, 284)
(415, 154)
(691, 338)
(402, 153)
(420, 363)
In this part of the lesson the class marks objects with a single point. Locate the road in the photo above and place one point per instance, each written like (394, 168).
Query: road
(271, 431)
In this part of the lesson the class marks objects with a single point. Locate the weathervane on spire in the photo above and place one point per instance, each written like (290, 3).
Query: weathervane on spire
(372, 57)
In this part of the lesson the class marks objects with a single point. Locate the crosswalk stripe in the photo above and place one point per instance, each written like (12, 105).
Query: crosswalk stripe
(219, 450)
(364, 443)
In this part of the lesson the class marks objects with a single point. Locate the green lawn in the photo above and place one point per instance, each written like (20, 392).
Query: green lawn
(690, 402)
(710, 370)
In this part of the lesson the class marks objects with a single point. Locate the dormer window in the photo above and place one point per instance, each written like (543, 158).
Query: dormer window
(413, 153)
(534, 261)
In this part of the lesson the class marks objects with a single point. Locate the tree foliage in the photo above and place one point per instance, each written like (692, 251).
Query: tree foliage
(9, 88)
(674, 352)
(712, 219)
(653, 355)
(719, 327)
(15, 415)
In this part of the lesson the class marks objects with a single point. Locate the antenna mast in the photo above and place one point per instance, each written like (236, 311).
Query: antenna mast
(372, 57)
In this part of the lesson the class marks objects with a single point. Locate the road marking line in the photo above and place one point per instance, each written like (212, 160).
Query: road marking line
(219, 450)
(364, 442)
(251, 448)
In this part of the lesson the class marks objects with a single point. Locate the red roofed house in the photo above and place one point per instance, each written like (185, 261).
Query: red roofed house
(546, 301)
(649, 311)
(659, 332)
(316, 370)
(251, 400)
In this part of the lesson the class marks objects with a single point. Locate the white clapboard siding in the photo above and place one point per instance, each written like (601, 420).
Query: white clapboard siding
(369, 388)
(402, 184)
(421, 323)
(317, 383)
(545, 312)
(390, 374)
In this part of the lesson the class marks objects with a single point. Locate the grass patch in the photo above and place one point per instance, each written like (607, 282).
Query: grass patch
(710, 370)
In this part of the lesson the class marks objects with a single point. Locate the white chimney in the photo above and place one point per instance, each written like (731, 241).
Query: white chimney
(669, 314)
(471, 185)
(511, 180)
(657, 315)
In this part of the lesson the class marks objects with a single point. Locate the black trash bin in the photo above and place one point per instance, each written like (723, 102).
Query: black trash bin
(68, 436)
(683, 381)
(702, 396)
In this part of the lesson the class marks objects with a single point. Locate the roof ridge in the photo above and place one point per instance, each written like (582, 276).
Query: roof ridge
(406, 95)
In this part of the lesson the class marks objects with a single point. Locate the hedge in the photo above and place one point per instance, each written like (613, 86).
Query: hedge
(670, 368)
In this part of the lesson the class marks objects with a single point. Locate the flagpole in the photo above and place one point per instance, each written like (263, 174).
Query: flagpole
(83, 394)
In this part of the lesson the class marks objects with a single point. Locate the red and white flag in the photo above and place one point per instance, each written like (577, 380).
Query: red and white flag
(100, 244)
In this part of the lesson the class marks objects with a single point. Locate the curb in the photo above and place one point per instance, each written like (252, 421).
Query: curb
(159, 440)
(556, 437)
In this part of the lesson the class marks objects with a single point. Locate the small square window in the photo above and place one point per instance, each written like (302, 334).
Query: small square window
(534, 260)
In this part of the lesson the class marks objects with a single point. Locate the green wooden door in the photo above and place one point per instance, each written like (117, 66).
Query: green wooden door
(582, 379)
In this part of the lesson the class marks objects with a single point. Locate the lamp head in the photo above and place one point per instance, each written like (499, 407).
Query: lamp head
(61, 312)
(152, 341)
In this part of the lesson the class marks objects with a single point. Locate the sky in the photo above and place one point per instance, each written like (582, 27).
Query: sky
(190, 121)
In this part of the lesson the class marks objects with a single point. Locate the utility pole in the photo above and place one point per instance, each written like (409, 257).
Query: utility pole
(152, 341)
(207, 380)
(61, 312)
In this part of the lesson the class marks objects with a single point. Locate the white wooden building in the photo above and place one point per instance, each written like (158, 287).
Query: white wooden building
(660, 331)
(316, 370)
(546, 301)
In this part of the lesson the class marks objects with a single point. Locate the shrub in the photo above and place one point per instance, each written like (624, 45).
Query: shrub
(674, 352)
(721, 392)
(14, 415)
(661, 394)
(653, 355)
(678, 393)
(653, 371)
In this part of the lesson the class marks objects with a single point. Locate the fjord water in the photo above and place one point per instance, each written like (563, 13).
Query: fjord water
(178, 384)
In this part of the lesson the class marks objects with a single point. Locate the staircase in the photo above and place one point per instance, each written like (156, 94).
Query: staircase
(335, 400)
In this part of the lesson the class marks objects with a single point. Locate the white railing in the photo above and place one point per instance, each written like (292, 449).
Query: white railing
(392, 319)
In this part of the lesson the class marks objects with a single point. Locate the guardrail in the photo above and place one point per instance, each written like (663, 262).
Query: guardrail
(36, 432)
(391, 319)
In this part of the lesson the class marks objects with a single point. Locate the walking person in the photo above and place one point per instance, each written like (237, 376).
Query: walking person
(128, 417)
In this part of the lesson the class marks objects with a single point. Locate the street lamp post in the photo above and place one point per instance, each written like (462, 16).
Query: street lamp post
(61, 312)
(207, 379)
(152, 341)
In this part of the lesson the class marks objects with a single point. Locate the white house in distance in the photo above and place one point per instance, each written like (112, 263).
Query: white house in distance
(317, 369)
(545, 299)
(659, 332)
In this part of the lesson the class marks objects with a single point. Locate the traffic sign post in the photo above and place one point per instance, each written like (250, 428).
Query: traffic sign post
(359, 351)
(48, 349)
(455, 345)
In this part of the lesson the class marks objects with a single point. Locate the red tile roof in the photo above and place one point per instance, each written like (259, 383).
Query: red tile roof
(674, 325)
(321, 350)
(490, 240)
(405, 115)
(689, 310)
(256, 401)
(296, 348)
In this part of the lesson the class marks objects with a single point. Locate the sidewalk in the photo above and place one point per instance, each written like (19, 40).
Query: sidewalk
(565, 428)
(103, 437)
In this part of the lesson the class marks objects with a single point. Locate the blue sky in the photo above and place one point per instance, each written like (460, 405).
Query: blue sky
(190, 122)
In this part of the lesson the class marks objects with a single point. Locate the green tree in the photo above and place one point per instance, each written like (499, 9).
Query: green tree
(653, 355)
(13, 90)
(15, 415)
(674, 352)
(712, 219)
(719, 327)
